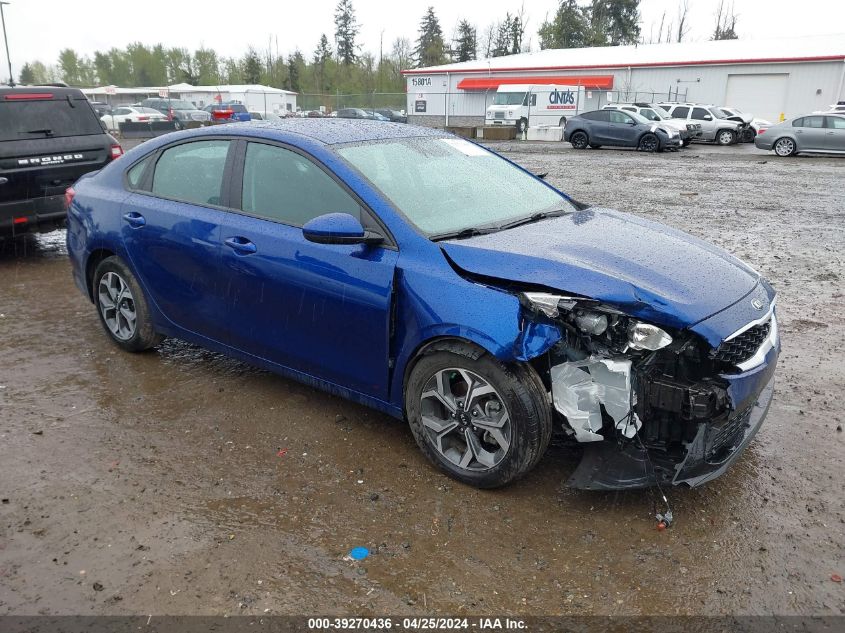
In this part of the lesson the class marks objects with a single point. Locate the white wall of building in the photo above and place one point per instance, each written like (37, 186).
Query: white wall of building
(791, 88)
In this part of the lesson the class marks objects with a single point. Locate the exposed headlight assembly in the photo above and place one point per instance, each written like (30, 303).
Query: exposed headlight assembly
(647, 336)
(547, 303)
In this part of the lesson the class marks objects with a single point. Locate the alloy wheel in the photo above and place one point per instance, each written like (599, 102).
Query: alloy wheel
(117, 305)
(725, 138)
(465, 419)
(579, 140)
(648, 143)
(784, 147)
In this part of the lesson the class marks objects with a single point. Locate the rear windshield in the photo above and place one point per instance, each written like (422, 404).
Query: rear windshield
(39, 119)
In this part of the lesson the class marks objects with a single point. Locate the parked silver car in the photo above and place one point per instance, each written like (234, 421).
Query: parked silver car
(823, 133)
(715, 126)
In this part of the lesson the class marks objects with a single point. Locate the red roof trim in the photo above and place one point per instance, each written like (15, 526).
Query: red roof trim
(772, 60)
(593, 82)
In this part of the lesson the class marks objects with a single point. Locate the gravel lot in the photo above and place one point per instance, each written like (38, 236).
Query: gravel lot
(181, 481)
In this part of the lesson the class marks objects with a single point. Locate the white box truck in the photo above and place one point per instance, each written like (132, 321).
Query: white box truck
(525, 105)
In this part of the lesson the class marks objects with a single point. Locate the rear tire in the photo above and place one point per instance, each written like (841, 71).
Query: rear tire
(748, 135)
(494, 439)
(726, 137)
(785, 147)
(579, 140)
(122, 307)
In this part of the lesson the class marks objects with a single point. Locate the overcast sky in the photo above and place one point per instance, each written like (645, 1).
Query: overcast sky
(39, 29)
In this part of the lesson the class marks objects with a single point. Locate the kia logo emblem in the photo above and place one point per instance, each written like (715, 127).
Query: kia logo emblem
(758, 305)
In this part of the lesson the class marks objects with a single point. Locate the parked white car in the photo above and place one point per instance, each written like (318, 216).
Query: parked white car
(130, 114)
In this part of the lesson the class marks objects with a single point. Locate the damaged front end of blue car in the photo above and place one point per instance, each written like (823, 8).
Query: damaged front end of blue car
(656, 405)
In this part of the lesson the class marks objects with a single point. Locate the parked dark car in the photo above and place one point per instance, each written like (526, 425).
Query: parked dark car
(425, 276)
(352, 113)
(620, 129)
(177, 110)
(49, 137)
(392, 115)
(228, 111)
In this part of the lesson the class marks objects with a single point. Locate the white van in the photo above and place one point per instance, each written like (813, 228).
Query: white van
(525, 105)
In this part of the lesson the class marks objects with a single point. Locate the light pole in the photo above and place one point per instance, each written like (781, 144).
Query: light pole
(6, 39)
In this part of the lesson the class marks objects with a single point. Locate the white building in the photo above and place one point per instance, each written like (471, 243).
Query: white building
(763, 77)
(254, 97)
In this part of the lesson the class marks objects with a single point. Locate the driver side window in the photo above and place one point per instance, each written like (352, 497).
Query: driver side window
(619, 117)
(281, 185)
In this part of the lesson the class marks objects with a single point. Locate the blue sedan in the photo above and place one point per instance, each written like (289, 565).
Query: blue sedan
(425, 276)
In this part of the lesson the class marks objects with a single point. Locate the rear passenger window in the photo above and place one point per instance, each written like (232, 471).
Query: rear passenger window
(192, 172)
(136, 173)
(680, 112)
(798, 122)
(284, 186)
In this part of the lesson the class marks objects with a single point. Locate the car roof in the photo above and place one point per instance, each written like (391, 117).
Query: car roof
(333, 131)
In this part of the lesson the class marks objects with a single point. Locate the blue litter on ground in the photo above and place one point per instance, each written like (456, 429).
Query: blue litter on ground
(359, 553)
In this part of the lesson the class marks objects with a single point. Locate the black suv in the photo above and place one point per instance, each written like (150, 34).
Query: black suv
(49, 137)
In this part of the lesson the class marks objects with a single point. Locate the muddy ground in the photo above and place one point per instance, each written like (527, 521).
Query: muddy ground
(154, 483)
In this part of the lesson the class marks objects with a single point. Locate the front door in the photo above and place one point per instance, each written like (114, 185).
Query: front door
(172, 234)
(320, 309)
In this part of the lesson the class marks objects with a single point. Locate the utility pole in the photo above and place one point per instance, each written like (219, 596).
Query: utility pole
(6, 39)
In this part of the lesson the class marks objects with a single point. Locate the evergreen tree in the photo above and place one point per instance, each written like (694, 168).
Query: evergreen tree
(517, 34)
(346, 29)
(251, 67)
(567, 29)
(431, 49)
(613, 22)
(322, 57)
(207, 66)
(296, 66)
(27, 76)
(466, 44)
(502, 43)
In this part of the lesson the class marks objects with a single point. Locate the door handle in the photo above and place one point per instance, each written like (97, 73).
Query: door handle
(135, 220)
(831, 132)
(241, 245)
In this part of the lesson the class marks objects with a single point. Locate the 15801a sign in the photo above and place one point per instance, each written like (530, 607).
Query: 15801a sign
(420, 81)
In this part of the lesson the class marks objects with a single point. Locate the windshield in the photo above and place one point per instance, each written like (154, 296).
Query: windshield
(41, 118)
(445, 185)
(718, 113)
(655, 114)
(508, 98)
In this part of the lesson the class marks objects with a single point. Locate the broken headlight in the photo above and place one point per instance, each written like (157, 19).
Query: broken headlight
(647, 336)
(547, 303)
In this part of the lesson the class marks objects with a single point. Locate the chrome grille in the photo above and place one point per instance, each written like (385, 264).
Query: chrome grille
(743, 346)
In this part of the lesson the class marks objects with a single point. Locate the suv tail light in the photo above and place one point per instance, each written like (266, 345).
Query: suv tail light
(116, 151)
(69, 194)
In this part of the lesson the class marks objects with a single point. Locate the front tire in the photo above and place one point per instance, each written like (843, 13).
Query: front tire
(785, 147)
(480, 421)
(726, 137)
(649, 143)
(579, 140)
(122, 307)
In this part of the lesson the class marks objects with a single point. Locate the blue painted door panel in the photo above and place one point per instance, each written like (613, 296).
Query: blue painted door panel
(175, 249)
(318, 308)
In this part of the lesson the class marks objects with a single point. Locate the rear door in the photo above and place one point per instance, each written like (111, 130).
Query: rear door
(835, 133)
(811, 135)
(171, 230)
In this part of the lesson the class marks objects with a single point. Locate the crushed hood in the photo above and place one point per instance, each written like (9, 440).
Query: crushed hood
(647, 269)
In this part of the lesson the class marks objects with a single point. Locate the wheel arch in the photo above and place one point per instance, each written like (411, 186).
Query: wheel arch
(94, 258)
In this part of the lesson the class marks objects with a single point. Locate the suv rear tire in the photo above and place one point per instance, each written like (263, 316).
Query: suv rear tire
(494, 438)
(579, 140)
